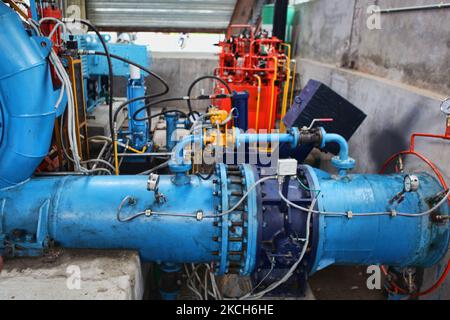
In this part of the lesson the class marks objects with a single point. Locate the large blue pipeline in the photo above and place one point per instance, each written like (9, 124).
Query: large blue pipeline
(227, 219)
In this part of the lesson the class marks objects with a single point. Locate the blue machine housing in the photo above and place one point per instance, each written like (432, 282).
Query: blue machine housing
(27, 100)
(96, 67)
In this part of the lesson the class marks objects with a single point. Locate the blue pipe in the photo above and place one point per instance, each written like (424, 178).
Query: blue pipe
(139, 129)
(383, 239)
(340, 140)
(85, 217)
(171, 125)
(27, 100)
(343, 162)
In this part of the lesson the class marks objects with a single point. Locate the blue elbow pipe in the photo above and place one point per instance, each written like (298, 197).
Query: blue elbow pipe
(343, 145)
(27, 100)
(343, 162)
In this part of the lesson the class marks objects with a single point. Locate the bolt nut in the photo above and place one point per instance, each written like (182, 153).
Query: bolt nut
(199, 215)
(148, 212)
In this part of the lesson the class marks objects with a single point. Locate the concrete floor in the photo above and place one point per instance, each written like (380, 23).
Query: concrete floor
(104, 275)
(343, 283)
(118, 275)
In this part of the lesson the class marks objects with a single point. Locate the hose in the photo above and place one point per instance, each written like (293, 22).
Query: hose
(110, 72)
(113, 117)
(153, 74)
(225, 84)
(187, 98)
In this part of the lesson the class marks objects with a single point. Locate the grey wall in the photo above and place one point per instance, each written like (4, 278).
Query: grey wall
(180, 70)
(397, 75)
(411, 47)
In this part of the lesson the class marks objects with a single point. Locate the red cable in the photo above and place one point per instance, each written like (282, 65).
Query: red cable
(411, 151)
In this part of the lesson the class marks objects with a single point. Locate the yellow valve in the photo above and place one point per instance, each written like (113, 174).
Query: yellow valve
(218, 116)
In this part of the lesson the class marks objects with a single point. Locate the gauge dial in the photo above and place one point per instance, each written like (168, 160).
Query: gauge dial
(411, 183)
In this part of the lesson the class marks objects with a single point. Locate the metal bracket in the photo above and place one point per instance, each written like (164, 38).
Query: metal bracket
(26, 247)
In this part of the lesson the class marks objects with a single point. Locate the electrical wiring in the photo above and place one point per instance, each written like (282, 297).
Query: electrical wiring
(244, 196)
(99, 161)
(110, 71)
(291, 271)
(160, 166)
(189, 283)
(346, 214)
(223, 82)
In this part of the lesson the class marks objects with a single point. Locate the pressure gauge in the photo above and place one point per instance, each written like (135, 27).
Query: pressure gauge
(445, 106)
(411, 183)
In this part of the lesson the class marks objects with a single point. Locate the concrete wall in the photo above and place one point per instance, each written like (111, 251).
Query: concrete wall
(181, 69)
(397, 75)
(411, 47)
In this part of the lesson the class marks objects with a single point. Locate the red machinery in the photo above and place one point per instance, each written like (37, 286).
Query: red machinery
(259, 65)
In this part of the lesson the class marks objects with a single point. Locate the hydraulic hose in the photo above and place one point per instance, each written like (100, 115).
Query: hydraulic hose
(225, 84)
(202, 97)
(110, 72)
(153, 74)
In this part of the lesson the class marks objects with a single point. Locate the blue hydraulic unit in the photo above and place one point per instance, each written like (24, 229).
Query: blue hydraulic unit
(96, 67)
(96, 72)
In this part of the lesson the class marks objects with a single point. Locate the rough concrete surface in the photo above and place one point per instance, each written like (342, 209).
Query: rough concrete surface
(104, 275)
(411, 47)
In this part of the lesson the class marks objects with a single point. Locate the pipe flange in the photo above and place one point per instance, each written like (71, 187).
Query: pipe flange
(238, 240)
(340, 164)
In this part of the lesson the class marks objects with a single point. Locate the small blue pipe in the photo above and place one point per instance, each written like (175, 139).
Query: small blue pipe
(33, 9)
(263, 137)
(343, 162)
(171, 125)
(178, 152)
(340, 140)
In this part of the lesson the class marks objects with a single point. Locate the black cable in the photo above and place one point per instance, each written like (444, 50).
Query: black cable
(203, 78)
(210, 174)
(110, 73)
(147, 106)
(153, 74)
(146, 97)
(169, 111)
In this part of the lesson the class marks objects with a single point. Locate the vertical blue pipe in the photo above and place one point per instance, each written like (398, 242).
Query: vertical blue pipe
(139, 129)
(171, 125)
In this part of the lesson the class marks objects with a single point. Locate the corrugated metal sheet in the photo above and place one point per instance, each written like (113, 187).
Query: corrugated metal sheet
(161, 15)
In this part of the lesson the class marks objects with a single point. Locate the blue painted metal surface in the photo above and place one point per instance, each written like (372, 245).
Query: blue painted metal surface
(171, 125)
(98, 65)
(27, 100)
(138, 130)
(395, 241)
(40, 210)
(240, 102)
(85, 217)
